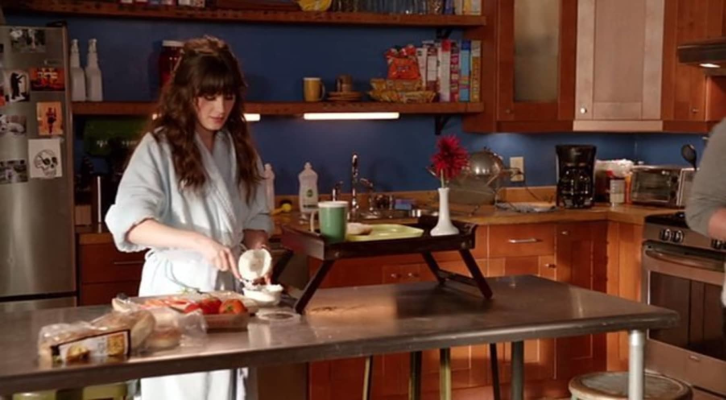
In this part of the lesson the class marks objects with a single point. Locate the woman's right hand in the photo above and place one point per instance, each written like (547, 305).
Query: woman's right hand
(217, 255)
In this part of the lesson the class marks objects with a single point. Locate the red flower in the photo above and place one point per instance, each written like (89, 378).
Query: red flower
(451, 158)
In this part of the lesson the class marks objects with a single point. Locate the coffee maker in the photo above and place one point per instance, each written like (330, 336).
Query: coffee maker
(575, 175)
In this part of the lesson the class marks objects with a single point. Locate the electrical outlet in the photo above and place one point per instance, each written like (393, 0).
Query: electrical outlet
(517, 163)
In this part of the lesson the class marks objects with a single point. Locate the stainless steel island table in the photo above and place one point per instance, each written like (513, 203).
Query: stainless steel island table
(355, 322)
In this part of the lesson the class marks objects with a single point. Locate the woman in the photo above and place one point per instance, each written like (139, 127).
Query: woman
(192, 193)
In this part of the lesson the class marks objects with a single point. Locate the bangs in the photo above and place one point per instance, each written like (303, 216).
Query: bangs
(217, 77)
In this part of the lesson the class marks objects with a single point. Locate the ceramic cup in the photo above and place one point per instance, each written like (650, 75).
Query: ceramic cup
(344, 83)
(333, 220)
(313, 89)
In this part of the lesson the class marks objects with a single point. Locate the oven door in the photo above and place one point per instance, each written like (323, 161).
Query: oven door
(691, 284)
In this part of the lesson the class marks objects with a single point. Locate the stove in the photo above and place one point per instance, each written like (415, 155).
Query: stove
(684, 271)
(672, 229)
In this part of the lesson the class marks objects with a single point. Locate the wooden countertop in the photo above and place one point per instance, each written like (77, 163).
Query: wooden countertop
(629, 214)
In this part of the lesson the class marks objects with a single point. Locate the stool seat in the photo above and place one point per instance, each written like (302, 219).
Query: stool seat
(614, 386)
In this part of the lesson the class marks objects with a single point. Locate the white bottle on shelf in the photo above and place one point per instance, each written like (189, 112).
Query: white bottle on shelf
(78, 78)
(308, 196)
(269, 187)
(94, 81)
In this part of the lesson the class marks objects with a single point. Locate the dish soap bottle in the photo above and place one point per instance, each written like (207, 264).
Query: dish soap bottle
(308, 195)
(269, 187)
(94, 82)
(78, 79)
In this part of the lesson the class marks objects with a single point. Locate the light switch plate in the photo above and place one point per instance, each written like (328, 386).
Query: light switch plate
(517, 163)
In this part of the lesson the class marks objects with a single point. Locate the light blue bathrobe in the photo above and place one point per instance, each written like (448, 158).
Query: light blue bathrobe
(150, 189)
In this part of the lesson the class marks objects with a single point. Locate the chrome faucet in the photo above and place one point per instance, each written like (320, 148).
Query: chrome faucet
(354, 186)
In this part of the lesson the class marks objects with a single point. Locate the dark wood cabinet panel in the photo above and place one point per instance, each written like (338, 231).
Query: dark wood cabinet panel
(102, 293)
(103, 263)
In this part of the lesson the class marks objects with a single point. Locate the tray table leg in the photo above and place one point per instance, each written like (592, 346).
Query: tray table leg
(312, 286)
(368, 378)
(517, 371)
(414, 379)
(493, 359)
(476, 273)
(445, 374)
(280, 266)
(433, 266)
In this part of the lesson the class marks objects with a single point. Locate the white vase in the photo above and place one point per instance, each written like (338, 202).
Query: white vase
(444, 226)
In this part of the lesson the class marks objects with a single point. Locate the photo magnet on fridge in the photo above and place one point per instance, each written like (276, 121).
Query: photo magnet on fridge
(27, 40)
(13, 171)
(44, 157)
(47, 79)
(16, 86)
(12, 125)
(50, 118)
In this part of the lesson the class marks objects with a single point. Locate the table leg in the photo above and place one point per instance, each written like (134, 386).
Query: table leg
(312, 286)
(433, 266)
(494, 360)
(368, 379)
(414, 379)
(636, 369)
(517, 370)
(445, 374)
(280, 266)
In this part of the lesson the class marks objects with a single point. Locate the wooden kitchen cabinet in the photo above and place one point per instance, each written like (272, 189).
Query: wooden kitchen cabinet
(581, 260)
(624, 274)
(528, 66)
(619, 65)
(105, 272)
(692, 101)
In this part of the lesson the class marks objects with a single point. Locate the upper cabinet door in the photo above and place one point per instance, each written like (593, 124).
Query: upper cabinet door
(536, 60)
(692, 101)
(619, 60)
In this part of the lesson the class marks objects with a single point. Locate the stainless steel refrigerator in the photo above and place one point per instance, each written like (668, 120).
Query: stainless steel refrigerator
(37, 244)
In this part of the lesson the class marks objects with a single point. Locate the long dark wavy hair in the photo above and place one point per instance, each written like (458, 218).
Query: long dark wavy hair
(207, 67)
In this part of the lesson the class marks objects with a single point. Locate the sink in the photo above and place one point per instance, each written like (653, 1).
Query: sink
(396, 214)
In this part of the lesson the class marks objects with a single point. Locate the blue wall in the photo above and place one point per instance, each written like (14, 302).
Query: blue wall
(275, 58)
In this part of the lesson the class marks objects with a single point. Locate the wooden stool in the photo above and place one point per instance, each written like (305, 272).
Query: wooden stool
(614, 386)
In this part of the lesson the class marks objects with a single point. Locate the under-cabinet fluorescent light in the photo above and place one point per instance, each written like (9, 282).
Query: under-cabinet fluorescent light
(350, 116)
(710, 65)
(248, 117)
(252, 117)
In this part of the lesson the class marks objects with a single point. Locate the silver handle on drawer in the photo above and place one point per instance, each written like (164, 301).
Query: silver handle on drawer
(551, 266)
(395, 276)
(412, 275)
(138, 262)
(523, 241)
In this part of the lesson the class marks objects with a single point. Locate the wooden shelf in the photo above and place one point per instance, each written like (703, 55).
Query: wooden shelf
(286, 108)
(114, 9)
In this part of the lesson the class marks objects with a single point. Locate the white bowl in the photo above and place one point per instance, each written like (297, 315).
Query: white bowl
(264, 295)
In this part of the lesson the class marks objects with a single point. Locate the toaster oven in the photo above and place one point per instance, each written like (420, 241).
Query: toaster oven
(665, 186)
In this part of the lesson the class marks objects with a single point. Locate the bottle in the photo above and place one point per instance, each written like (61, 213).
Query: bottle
(94, 81)
(308, 195)
(78, 79)
(269, 187)
(168, 58)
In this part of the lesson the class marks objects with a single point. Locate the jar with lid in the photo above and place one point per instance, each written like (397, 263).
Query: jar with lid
(168, 58)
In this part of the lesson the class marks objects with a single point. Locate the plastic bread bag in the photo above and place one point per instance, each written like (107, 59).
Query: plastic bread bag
(111, 336)
(172, 328)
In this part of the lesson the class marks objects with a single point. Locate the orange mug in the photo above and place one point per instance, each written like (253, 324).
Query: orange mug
(313, 89)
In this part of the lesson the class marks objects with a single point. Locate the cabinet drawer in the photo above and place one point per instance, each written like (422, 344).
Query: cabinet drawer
(103, 293)
(103, 263)
(521, 240)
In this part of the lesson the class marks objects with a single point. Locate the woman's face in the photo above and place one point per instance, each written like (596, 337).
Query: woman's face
(213, 111)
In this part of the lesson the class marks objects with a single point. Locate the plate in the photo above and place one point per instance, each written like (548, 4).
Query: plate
(387, 232)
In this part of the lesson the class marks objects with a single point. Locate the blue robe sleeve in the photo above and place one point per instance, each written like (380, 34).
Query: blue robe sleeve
(141, 194)
(259, 215)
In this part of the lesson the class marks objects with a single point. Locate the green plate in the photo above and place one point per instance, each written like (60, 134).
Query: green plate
(387, 232)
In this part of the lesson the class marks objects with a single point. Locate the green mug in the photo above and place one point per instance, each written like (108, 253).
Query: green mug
(333, 216)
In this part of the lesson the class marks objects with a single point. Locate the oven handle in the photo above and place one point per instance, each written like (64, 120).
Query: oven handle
(683, 260)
